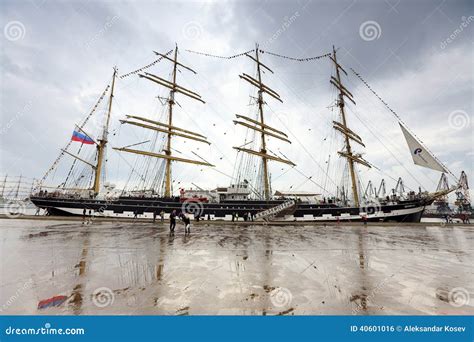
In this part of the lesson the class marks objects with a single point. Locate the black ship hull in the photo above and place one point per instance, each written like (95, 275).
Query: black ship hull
(402, 211)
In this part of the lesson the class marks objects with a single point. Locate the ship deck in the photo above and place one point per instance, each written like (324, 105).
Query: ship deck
(137, 268)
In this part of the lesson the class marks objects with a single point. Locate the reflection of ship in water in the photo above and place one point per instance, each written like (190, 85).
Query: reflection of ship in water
(77, 296)
(151, 185)
(361, 295)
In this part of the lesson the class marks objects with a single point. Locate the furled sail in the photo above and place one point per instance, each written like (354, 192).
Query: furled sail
(419, 153)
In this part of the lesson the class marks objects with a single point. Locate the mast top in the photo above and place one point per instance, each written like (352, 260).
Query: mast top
(342, 127)
(259, 124)
(168, 128)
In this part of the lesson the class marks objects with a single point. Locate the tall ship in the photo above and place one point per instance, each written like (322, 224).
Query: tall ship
(249, 195)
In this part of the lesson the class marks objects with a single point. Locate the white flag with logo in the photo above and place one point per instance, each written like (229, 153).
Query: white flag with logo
(419, 154)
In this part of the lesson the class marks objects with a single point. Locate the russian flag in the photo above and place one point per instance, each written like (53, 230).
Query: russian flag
(78, 136)
(54, 301)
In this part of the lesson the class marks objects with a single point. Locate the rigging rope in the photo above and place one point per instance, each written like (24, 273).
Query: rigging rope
(72, 167)
(216, 56)
(296, 59)
(310, 178)
(56, 162)
(307, 152)
(399, 118)
(146, 66)
(373, 131)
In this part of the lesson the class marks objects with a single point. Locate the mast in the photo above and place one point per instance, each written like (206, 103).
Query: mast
(259, 125)
(171, 103)
(262, 122)
(168, 128)
(342, 127)
(103, 141)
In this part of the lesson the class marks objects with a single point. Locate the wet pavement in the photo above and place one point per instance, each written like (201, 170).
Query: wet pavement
(138, 268)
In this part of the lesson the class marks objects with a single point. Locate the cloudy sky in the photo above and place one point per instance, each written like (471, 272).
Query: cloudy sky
(57, 57)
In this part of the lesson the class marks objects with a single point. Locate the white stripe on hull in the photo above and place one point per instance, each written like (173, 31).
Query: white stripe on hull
(379, 215)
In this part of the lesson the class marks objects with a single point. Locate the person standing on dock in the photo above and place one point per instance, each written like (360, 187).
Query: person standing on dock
(162, 216)
(154, 216)
(172, 221)
(187, 223)
(84, 216)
